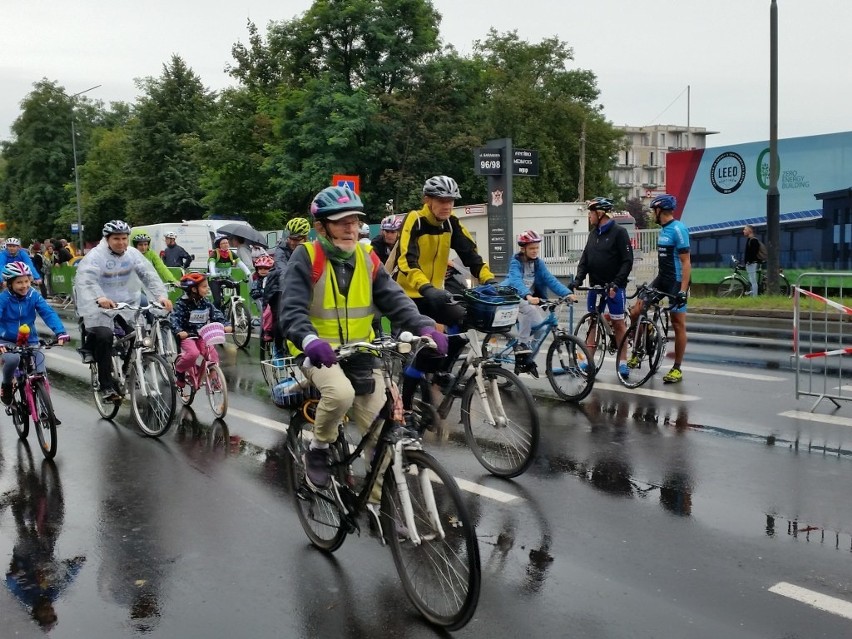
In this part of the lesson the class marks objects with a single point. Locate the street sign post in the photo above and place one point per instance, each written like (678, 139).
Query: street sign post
(488, 161)
(525, 162)
(353, 182)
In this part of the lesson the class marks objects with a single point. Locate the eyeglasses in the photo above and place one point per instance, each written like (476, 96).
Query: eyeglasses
(297, 238)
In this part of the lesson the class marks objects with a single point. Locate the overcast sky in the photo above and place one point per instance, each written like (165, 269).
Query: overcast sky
(643, 53)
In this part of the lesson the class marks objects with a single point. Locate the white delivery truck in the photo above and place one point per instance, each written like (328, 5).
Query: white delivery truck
(196, 236)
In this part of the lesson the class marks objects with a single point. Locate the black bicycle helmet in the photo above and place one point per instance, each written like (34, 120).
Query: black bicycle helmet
(601, 204)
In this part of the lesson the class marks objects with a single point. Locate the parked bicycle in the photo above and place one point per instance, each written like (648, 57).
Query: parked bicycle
(737, 284)
(646, 340)
(31, 397)
(565, 355)
(422, 515)
(235, 308)
(141, 372)
(595, 329)
(206, 372)
(498, 412)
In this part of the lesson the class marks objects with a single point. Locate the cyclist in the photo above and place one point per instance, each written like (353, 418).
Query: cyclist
(429, 234)
(141, 241)
(674, 269)
(334, 285)
(221, 261)
(13, 253)
(260, 278)
(175, 255)
(531, 278)
(607, 259)
(108, 274)
(193, 311)
(364, 233)
(751, 257)
(19, 304)
(384, 242)
(297, 233)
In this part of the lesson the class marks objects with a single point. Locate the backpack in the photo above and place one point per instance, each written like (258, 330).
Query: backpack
(762, 254)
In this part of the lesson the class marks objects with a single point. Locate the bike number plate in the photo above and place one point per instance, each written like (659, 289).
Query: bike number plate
(505, 316)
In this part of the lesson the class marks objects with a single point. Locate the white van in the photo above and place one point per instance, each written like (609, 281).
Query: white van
(195, 236)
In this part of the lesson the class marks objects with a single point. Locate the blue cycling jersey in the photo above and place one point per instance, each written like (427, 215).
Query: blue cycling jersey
(672, 241)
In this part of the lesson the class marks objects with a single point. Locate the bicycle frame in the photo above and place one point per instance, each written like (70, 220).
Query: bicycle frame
(548, 326)
(197, 375)
(26, 371)
(136, 342)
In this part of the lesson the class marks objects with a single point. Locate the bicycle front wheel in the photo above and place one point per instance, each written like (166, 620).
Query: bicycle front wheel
(565, 371)
(642, 342)
(730, 287)
(591, 333)
(20, 413)
(154, 410)
(241, 324)
(44, 421)
(500, 427)
(108, 410)
(217, 390)
(317, 509)
(441, 574)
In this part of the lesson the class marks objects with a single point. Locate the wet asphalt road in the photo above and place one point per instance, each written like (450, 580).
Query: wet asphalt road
(645, 515)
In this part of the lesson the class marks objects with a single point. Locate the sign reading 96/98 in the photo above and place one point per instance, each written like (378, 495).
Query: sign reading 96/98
(488, 161)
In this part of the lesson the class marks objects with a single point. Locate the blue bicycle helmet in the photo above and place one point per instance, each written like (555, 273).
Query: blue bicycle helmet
(16, 269)
(665, 202)
(336, 202)
(601, 204)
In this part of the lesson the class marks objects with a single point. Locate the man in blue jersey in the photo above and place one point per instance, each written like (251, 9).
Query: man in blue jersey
(674, 269)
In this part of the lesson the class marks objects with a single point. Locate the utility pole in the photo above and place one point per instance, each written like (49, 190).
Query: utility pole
(773, 197)
(76, 175)
(581, 186)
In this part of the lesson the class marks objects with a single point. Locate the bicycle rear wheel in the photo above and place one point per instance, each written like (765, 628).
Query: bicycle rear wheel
(641, 347)
(217, 390)
(20, 413)
(44, 421)
(564, 359)
(154, 412)
(317, 510)
(587, 325)
(108, 410)
(241, 323)
(506, 442)
(730, 287)
(441, 575)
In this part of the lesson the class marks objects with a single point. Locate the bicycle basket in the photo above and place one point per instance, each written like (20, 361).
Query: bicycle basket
(212, 333)
(491, 309)
(289, 386)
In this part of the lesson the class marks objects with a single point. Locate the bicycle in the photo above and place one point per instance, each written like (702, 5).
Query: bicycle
(737, 284)
(137, 369)
(31, 398)
(422, 515)
(208, 374)
(645, 342)
(161, 335)
(595, 328)
(235, 308)
(565, 354)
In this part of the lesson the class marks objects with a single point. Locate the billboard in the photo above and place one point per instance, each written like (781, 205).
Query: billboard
(725, 187)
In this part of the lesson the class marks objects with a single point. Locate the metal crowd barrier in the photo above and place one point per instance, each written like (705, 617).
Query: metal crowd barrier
(822, 328)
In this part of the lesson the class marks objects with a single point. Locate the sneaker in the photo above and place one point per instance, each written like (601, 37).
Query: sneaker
(255, 322)
(673, 376)
(110, 395)
(521, 349)
(633, 362)
(180, 378)
(316, 467)
(6, 393)
(623, 371)
(86, 355)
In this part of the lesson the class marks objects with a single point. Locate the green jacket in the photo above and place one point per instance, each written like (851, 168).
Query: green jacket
(162, 270)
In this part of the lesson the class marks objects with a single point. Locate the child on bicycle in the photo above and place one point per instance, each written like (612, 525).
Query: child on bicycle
(192, 312)
(262, 265)
(531, 278)
(19, 304)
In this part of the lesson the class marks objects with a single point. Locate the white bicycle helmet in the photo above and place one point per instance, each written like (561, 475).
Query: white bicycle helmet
(116, 227)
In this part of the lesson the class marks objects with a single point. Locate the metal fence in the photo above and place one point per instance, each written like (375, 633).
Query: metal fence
(561, 252)
(822, 327)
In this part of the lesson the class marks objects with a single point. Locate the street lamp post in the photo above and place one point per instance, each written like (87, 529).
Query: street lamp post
(76, 176)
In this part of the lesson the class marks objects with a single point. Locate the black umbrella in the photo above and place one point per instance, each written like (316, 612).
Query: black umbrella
(243, 231)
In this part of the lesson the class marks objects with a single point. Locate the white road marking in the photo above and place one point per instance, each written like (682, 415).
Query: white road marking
(484, 491)
(812, 417)
(257, 419)
(819, 601)
(729, 373)
(68, 358)
(647, 392)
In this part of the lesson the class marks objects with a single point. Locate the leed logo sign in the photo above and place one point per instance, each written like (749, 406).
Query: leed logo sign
(728, 172)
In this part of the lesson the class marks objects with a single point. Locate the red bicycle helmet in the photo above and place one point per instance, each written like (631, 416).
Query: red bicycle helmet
(263, 261)
(191, 280)
(529, 237)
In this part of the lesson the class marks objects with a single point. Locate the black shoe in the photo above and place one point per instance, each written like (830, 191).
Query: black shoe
(521, 349)
(6, 393)
(444, 381)
(86, 355)
(316, 467)
(110, 395)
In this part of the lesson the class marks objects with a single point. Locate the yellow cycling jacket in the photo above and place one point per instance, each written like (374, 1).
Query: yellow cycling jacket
(424, 251)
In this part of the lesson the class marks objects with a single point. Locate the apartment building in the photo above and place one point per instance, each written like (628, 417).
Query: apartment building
(640, 167)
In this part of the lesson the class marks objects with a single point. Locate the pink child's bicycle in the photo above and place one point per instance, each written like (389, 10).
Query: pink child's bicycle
(206, 372)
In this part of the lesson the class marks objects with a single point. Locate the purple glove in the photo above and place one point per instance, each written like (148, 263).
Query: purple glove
(321, 353)
(436, 336)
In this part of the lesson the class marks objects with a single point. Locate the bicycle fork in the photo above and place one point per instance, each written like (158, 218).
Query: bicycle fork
(405, 498)
(500, 420)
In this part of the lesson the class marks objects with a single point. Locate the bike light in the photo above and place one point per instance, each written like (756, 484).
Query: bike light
(147, 342)
(403, 348)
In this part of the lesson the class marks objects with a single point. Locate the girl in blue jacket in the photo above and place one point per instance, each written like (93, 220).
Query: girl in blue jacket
(18, 306)
(530, 277)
